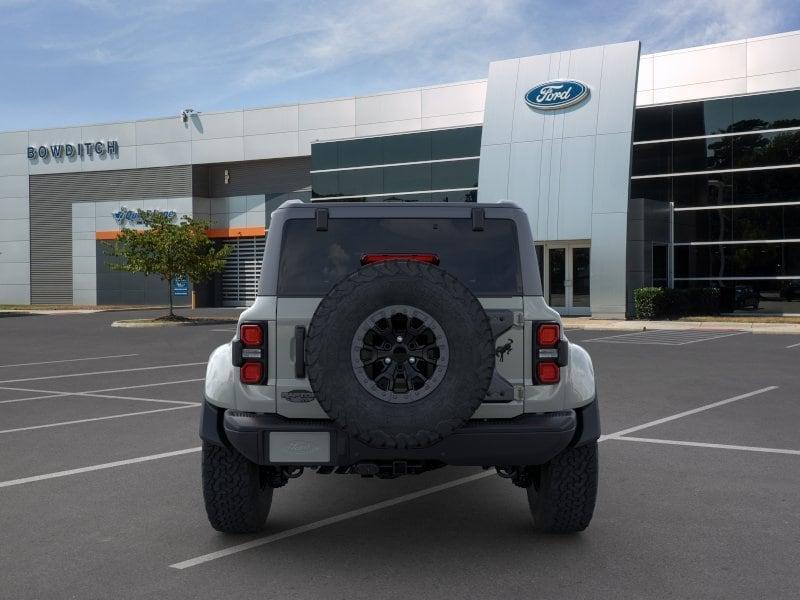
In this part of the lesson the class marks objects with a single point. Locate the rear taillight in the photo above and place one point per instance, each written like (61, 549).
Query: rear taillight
(371, 259)
(251, 372)
(249, 353)
(550, 353)
(251, 335)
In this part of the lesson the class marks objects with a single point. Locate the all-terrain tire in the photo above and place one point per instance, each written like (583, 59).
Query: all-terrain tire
(562, 496)
(236, 493)
(450, 404)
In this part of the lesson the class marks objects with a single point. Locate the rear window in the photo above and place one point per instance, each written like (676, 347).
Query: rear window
(312, 261)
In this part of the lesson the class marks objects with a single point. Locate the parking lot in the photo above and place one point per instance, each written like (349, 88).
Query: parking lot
(100, 482)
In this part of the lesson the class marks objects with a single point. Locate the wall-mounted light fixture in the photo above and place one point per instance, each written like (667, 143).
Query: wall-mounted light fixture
(186, 113)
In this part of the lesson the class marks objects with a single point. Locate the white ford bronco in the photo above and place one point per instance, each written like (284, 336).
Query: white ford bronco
(392, 339)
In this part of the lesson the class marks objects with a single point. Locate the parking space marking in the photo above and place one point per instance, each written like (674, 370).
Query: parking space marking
(225, 330)
(52, 362)
(110, 465)
(792, 346)
(94, 394)
(144, 385)
(329, 521)
(668, 337)
(686, 413)
(706, 445)
(93, 419)
(48, 395)
(131, 370)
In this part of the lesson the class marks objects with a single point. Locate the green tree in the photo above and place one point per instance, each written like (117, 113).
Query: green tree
(169, 250)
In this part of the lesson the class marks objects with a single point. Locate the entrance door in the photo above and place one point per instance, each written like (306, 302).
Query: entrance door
(566, 269)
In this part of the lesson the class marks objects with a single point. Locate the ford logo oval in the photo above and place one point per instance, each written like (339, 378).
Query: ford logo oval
(556, 94)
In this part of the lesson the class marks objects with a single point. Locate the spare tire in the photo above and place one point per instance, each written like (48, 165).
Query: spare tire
(400, 354)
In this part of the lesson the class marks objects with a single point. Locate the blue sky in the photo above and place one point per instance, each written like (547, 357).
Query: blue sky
(74, 62)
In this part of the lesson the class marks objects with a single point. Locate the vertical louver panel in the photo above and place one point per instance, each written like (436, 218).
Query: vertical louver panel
(51, 198)
(240, 277)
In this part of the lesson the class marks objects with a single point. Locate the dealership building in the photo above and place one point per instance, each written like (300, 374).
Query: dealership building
(680, 168)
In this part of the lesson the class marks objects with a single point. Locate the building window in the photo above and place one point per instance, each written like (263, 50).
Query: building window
(438, 166)
(731, 169)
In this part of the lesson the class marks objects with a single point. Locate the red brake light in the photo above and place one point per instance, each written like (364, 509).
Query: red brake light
(251, 373)
(548, 372)
(370, 259)
(548, 334)
(251, 335)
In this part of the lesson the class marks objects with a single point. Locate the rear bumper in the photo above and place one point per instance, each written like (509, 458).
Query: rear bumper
(526, 440)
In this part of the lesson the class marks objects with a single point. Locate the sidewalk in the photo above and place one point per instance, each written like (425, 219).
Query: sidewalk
(621, 325)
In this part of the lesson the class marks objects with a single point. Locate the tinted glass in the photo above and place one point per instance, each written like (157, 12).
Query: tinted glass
(580, 277)
(749, 295)
(702, 118)
(462, 196)
(325, 184)
(702, 190)
(312, 261)
(456, 174)
(660, 265)
(455, 143)
(779, 185)
(357, 153)
(738, 260)
(410, 178)
(658, 188)
(766, 149)
(652, 159)
(360, 181)
(766, 111)
(702, 155)
(325, 156)
(401, 198)
(557, 260)
(407, 148)
(653, 123)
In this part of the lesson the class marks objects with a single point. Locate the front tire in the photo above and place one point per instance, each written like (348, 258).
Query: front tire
(236, 492)
(563, 493)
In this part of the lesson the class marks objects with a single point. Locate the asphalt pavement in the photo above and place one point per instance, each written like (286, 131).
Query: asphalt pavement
(100, 482)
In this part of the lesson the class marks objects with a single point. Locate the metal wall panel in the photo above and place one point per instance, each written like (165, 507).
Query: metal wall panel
(51, 198)
(259, 177)
(554, 163)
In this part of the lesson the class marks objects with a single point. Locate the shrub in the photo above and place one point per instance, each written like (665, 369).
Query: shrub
(667, 303)
(648, 302)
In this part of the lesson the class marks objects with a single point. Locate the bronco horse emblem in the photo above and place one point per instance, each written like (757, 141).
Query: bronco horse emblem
(501, 351)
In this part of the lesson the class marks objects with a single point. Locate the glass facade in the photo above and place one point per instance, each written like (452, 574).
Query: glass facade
(440, 166)
(731, 168)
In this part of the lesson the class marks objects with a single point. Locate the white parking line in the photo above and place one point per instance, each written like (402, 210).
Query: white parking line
(792, 346)
(144, 385)
(225, 330)
(194, 364)
(706, 445)
(97, 393)
(110, 465)
(183, 402)
(686, 413)
(348, 515)
(668, 337)
(49, 395)
(329, 521)
(120, 416)
(66, 360)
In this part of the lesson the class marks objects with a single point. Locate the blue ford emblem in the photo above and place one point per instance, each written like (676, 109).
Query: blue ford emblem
(556, 94)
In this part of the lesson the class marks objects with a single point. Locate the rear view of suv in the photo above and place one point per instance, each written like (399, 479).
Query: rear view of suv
(392, 339)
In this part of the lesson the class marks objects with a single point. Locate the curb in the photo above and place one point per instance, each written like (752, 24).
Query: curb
(613, 325)
(146, 323)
